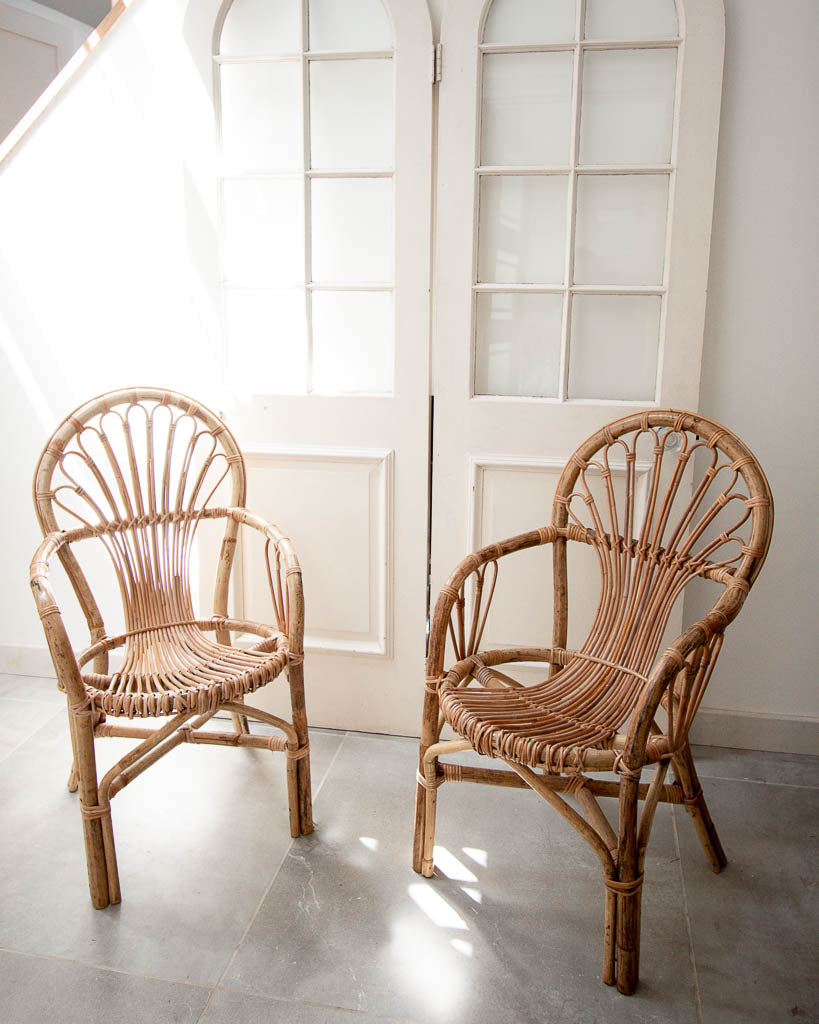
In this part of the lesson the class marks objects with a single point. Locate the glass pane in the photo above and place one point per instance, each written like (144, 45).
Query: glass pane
(363, 25)
(517, 345)
(259, 26)
(526, 108)
(627, 111)
(613, 350)
(262, 116)
(351, 115)
(620, 233)
(263, 233)
(352, 342)
(530, 21)
(267, 334)
(352, 230)
(523, 228)
(631, 19)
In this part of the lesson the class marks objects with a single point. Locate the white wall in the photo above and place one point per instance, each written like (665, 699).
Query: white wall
(108, 261)
(759, 367)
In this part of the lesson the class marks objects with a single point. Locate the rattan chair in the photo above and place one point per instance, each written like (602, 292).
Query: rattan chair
(662, 498)
(138, 471)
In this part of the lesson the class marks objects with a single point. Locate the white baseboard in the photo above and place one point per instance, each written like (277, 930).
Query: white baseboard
(22, 660)
(786, 734)
(713, 727)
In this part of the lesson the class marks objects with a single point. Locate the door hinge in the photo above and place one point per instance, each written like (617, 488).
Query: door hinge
(436, 63)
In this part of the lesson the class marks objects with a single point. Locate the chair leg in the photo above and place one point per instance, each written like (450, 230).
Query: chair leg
(694, 801)
(298, 769)
(628, 890)
(425, 798)
(430, 807)
(240, 722)
(99, 849)
(73, 775)
(609, 973)
(418, 831)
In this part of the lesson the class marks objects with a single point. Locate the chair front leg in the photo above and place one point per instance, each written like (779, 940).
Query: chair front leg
(628, 888)
(298, 769)
(100, 854)
(425, 798)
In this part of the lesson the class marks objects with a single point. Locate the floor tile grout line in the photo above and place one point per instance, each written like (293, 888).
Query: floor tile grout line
(691, 954)
(319, 1006)
(91, 965)
(270, 885)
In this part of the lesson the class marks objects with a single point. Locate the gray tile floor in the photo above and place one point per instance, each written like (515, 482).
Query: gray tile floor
(224, 919)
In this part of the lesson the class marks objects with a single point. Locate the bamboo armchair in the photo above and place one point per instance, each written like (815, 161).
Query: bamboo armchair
(137, 471)
(700, 507)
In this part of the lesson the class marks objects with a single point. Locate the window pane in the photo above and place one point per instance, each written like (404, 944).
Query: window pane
(620, 234)
(523, 228)
(363, 25)
(352, 342)
(261, 116)
(613, 350)
(267, 332)
(631, 19)
(264, 231)
(530, 21)
(352, 230)
(351, 114)
(526, 108)
(518, 344)
(627, 110)
(259, 26)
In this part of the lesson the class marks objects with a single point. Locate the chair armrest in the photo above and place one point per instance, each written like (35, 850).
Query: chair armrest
(452, 592)
(284, 577)
(62, 653)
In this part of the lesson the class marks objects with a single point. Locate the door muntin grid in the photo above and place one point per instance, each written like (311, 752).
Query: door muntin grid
(305, 100)
(569, 294)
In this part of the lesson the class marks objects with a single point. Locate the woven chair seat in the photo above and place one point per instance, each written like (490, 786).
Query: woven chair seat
(167, 670)
(557, 725)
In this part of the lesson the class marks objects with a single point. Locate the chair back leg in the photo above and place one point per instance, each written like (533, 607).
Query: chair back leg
(694, 802)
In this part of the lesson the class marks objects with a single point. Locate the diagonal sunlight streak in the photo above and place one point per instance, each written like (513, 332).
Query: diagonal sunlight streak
(454, 869)
(436, 907)
(479, 856)
(25, 377)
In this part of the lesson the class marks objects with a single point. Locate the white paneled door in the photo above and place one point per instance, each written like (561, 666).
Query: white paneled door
(325, 114)
(577, 149)
(575, 169)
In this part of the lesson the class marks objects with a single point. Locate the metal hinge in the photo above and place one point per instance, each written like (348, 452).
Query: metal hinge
(437, 50)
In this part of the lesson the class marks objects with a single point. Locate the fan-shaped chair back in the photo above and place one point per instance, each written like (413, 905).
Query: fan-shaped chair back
(663, 498)
(139, 469)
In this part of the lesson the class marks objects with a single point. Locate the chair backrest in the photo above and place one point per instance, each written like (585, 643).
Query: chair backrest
(663, 497)
(139, 468)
